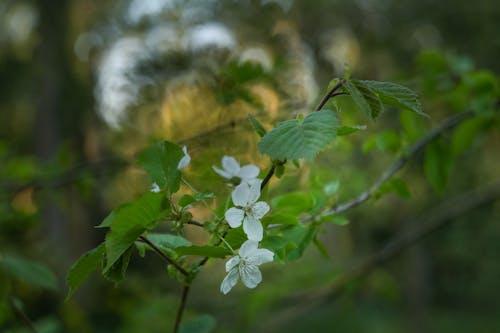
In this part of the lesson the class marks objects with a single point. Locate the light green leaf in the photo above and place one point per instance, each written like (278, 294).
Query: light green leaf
(29, 271)
(83, 267)
(364, 97)
(203, 251)
(186, 199)
(278, 218)
(106, 223)
(160, 161)
(396, 95)
(385, 141)
(293, 139)
(346, 130)
(335, 219)
(131, 220)
(201, 324)
(165, 242)
(257, 126)
(293, 203)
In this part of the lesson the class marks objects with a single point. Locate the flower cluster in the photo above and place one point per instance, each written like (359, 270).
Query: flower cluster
(248, 211)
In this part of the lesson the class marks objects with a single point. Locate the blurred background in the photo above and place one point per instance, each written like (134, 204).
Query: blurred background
(85, 84)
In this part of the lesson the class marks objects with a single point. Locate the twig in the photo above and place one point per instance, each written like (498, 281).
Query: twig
(196, 223)
(180, 310)
(166, 258)
(438, 217)
(410, 152)
(330, 94)
(22, 315)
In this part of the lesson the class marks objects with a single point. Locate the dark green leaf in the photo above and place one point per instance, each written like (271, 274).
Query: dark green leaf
(257, 126)
(202, 324)
(464, 135)
(293, 139)
(186, 199)
(203, 251)
(301, 236)
(160, 161)
(235, 237)
(29, 271)
(116, 272)
(165, 242)
(293, 203)
(83, 267)
(321, 247)
(396, 186)
(106, 223)
(437, 165)
(364, 97)
(130, 222)
(280, 170)
(346, 130)
(396, 95)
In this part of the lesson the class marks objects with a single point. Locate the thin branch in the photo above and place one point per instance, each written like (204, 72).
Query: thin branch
(330, 94)
(410, 152)
(196, 223)
(22, 315)
(268, 177)
(166, 258)
(438, 217)
(180, 310)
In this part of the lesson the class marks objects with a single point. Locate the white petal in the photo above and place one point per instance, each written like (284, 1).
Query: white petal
(259, 209)
(249, 171)
(260, 256)
(250, 275)
(221, 172)
(254, 192)
(240, 195)
(233, 262)
(230, 165)
(234, 216)
(252, 181)
(184, 162)
(155, 188)
(253, 228)
(247, 248)
(229, 281)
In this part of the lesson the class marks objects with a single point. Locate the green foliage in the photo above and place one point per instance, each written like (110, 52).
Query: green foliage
(28, 271)
(346, 130)
(83, 267)
(293, 203)
(201, 324)
(160, 161)
(295, 139)
(131, 221)
(165, 242)
(334, 219)
(364, 97)
(396, 186)
(385, 141)
(437, 165)
(257, 126)
(203, 251)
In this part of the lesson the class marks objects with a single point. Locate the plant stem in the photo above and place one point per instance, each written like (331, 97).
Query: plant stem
(23, 316)
(180, 310)
(330, 94)
(166, 258)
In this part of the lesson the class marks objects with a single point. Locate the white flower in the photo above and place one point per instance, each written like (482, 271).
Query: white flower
(249, 212)
(231, 168)
(245, 264)
(184, 160)
(155, 188)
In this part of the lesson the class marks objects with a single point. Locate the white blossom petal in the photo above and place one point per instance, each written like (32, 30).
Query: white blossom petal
(259, 209)
(184, 162)
(250, 275)
(241, 195)
(231, 263)
(229, 281)
(249, 171)
(230, 165)
(234, 216)
(254, 194)
(260, 256)
(252, 181)
(221, 172)
(155, 188)
(248, 247)
(253, 228)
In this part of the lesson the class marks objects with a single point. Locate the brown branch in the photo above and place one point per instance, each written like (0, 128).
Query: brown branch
(330, 94)
(410, 152)
(196, 223)
(438, 217)
(180, 310)
(166, 258)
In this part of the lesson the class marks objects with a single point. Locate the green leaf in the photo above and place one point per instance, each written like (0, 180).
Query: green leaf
(385, 141)
(293, 203)
(364, 97)
(116, 272)
(464, 135)
(160, 161)
(278, 218)
(321, 247)
(331, 188)
(29, 271)
(437, 165)
(334, 219)
(346, 130)
(204, 195)
(235, 237)
(186, 199)
(106, 223)
(396, 95)
(278, 245)
(131, 220)
(280, 170)
(257, 126)
(301, 236)
(83, 267)
(396, 186)
(165, 242)
(201, 324)
(203, 251)
(293, 139)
